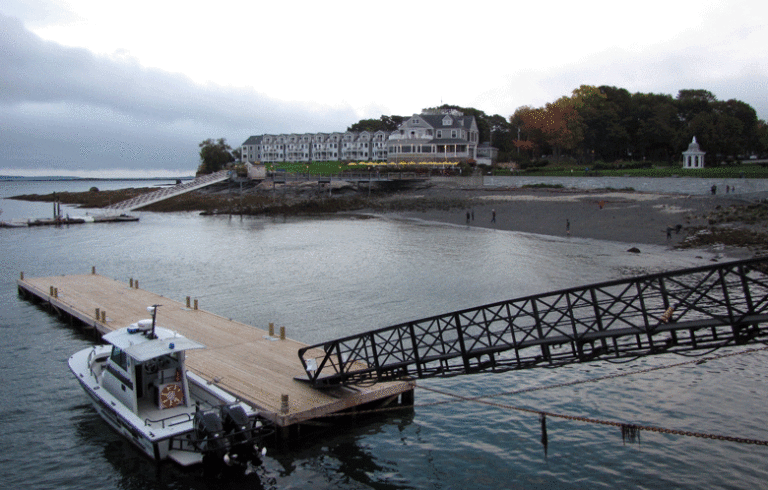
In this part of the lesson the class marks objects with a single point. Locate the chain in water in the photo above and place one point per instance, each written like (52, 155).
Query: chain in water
(626, 428)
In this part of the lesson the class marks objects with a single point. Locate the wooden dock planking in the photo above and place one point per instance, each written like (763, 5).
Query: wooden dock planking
(239, 358)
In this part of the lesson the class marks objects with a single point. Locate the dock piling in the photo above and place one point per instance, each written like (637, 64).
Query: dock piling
(284, 403)
(271, 329)
(282, 333)
(195, 304)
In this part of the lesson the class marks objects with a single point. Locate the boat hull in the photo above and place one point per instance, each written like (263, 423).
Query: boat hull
(157, 450)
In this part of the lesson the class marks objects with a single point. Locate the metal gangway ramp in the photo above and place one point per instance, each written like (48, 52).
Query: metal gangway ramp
(169, 192)
(672, 312)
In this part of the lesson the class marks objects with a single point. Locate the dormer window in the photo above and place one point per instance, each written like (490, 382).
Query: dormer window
(447, 121)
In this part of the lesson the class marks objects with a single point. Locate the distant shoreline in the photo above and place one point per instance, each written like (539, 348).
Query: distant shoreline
(626, 216)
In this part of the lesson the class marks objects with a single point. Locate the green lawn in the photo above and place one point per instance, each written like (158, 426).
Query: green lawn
(723, 172)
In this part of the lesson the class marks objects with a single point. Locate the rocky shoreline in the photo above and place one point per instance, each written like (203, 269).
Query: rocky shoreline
(634, 218)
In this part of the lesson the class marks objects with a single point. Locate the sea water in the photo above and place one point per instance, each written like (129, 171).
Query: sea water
(324, 278)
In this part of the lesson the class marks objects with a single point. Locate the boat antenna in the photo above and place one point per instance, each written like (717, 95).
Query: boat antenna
(153, 309)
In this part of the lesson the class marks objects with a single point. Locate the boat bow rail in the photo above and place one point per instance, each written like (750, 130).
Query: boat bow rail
(671, 312)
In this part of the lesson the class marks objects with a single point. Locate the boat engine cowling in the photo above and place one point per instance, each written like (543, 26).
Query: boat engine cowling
(209, 436)
(237, 428)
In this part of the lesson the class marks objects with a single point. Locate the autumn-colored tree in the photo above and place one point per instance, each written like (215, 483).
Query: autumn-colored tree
(556, 124)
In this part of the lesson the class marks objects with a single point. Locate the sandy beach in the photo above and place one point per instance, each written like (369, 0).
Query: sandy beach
(635, 218)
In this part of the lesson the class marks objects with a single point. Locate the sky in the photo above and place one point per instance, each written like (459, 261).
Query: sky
(129, 89)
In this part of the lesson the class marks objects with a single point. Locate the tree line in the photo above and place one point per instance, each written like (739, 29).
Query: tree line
(611, 124)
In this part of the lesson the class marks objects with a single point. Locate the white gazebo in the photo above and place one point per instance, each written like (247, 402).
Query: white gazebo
(693, 157)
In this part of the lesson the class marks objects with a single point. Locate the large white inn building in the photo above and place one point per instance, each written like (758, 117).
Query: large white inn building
(422, 137)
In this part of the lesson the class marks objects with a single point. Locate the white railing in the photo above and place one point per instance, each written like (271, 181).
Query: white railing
(169, 192)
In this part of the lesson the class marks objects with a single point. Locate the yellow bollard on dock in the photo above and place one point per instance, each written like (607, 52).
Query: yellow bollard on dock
(98, 314)
(271, 329)
(195, 304)
(282, 333)
(188, 301)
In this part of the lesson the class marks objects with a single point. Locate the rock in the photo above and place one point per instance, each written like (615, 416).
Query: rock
(634, 250)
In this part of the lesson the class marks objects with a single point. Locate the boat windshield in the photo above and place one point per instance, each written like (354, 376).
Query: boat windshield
(119, 357)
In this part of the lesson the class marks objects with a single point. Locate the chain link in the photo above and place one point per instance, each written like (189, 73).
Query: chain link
(662, 430)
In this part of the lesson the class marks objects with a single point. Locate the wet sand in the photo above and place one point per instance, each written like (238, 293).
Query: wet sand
(634, 218)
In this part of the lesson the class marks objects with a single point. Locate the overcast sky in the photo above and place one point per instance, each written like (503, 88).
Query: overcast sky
(97, 88)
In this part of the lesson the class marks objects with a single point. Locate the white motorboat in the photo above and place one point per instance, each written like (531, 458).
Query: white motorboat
(139, 384)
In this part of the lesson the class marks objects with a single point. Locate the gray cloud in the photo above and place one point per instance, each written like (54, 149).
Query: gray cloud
(66, 108)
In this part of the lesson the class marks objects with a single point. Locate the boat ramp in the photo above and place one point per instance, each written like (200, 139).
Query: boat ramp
(261, 367)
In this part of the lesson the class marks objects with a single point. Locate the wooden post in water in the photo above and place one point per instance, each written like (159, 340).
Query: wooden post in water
(271, 329)
(282, 333)
(407, 398)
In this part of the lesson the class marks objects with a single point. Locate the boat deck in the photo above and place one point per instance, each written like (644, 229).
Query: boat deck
(241, 359)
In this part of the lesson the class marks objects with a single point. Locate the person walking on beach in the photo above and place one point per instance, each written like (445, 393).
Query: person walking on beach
(493, 215)
(467, 216)
(568, 227)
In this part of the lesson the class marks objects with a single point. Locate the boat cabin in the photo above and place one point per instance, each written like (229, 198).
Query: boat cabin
(145, 370)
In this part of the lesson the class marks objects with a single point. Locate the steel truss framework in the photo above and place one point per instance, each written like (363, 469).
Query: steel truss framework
(678, 311)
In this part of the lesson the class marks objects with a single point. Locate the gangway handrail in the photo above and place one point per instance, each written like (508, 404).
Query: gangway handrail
(669, 312)
(168, 192)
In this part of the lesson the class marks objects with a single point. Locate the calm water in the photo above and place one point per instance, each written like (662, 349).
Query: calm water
(325, 278)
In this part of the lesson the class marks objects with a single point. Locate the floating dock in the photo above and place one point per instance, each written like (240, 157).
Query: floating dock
(255, 365)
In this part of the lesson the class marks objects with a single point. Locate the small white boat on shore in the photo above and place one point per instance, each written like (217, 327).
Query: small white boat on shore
(139, 384)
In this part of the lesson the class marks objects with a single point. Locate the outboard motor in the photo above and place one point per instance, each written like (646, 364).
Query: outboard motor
(209, 437)
(237, 428)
